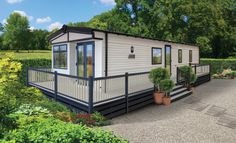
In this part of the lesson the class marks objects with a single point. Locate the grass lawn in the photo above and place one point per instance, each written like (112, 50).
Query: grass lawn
(32, 54)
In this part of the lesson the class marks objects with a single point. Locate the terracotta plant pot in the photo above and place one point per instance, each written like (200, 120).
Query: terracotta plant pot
(158, 97)
(166, 101)
(192, 88)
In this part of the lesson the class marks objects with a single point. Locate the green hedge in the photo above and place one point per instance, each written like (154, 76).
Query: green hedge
(217, 65)
(51, 130)
(26, 63)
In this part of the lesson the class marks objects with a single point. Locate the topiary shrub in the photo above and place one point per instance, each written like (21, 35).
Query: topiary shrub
(166, 85)
(157, 75)
(188, 75)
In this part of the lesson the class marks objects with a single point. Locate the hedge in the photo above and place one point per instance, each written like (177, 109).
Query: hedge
(217, 65)
(55, 131)
(26, 63)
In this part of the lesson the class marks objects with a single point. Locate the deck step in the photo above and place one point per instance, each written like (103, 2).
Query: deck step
(177, 87)
(178, 91)
(181, 95)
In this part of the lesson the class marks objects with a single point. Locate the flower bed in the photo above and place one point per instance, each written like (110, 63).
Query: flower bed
(226, 74)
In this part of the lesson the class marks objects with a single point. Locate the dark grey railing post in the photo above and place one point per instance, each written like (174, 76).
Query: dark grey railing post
(90, 94)
(27, 76)
(55, 84)
(127, 91)
(177, 72)
(195, 69)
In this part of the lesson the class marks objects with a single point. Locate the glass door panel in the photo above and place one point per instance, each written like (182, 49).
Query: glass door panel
(85, 61)
(168, 58)
(80, 63)
(89, 60)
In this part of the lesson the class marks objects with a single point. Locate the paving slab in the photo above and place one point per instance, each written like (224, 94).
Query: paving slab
(192, 100)
(215, 111)
(199, 106)
(227, 120)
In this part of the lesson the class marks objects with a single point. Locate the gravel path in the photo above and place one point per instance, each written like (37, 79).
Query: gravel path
(207, 116)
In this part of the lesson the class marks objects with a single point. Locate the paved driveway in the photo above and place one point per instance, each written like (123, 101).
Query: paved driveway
(207, 116)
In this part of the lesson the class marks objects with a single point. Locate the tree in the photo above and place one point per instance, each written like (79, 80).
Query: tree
(17, 34)
(39, 40)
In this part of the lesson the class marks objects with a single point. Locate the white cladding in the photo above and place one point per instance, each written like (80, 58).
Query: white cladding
(119, 48)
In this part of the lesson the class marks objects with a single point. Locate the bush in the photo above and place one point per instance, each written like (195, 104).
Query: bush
(157, 75)
(218, 65)
(95, 119)
(23, 94)
(188, 75)
(26, 63)
(51, 105)
(166, 85)
(56, 131)
(28, 109)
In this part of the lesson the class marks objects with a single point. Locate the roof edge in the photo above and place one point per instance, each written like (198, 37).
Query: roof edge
(89, 30)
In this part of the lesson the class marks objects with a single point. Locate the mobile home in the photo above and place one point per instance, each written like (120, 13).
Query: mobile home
(99, 70)
(88, 52)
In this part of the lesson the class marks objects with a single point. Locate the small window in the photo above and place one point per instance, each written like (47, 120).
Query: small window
(156, 56)
(180, 55)
(190, 56)
(60, 56)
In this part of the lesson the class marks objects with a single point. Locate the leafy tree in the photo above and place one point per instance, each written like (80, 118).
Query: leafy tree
(209, 24)
(39, 40)
(17, 33)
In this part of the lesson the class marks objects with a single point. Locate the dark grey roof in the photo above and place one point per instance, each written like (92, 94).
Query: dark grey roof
(87, 30)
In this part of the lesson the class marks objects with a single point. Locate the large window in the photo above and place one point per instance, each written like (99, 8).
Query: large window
(180, 56)
(60, 56)
(190, 56)
(156, 56)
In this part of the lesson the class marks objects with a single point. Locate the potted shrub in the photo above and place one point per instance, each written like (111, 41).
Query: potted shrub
(156, 76)
(166, 86)
(188, 75)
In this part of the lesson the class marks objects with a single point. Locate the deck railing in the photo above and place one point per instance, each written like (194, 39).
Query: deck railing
(90, 91)
(67, 86)
(198, 69)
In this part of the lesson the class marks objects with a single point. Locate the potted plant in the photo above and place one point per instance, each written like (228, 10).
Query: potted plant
(166, 85)
(188, 75)
(193, 79)
(156, 76)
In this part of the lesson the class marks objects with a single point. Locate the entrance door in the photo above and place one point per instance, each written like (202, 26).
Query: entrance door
(168, 58)
(85, 59)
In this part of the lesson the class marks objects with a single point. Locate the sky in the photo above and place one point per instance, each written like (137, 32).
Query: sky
(50, 14)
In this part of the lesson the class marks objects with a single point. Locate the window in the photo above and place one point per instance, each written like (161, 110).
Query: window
(60, 56)
(180, 55)
(156, 56)
(190, 56)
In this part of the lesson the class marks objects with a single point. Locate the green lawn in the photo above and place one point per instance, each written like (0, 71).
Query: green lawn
(35, 54)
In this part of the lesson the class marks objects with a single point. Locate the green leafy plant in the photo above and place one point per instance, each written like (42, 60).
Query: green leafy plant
(52, 105)
(28, 109)
(157, 75)
(99, 119)
(166, 85)
(188, 76)
(56, 131)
